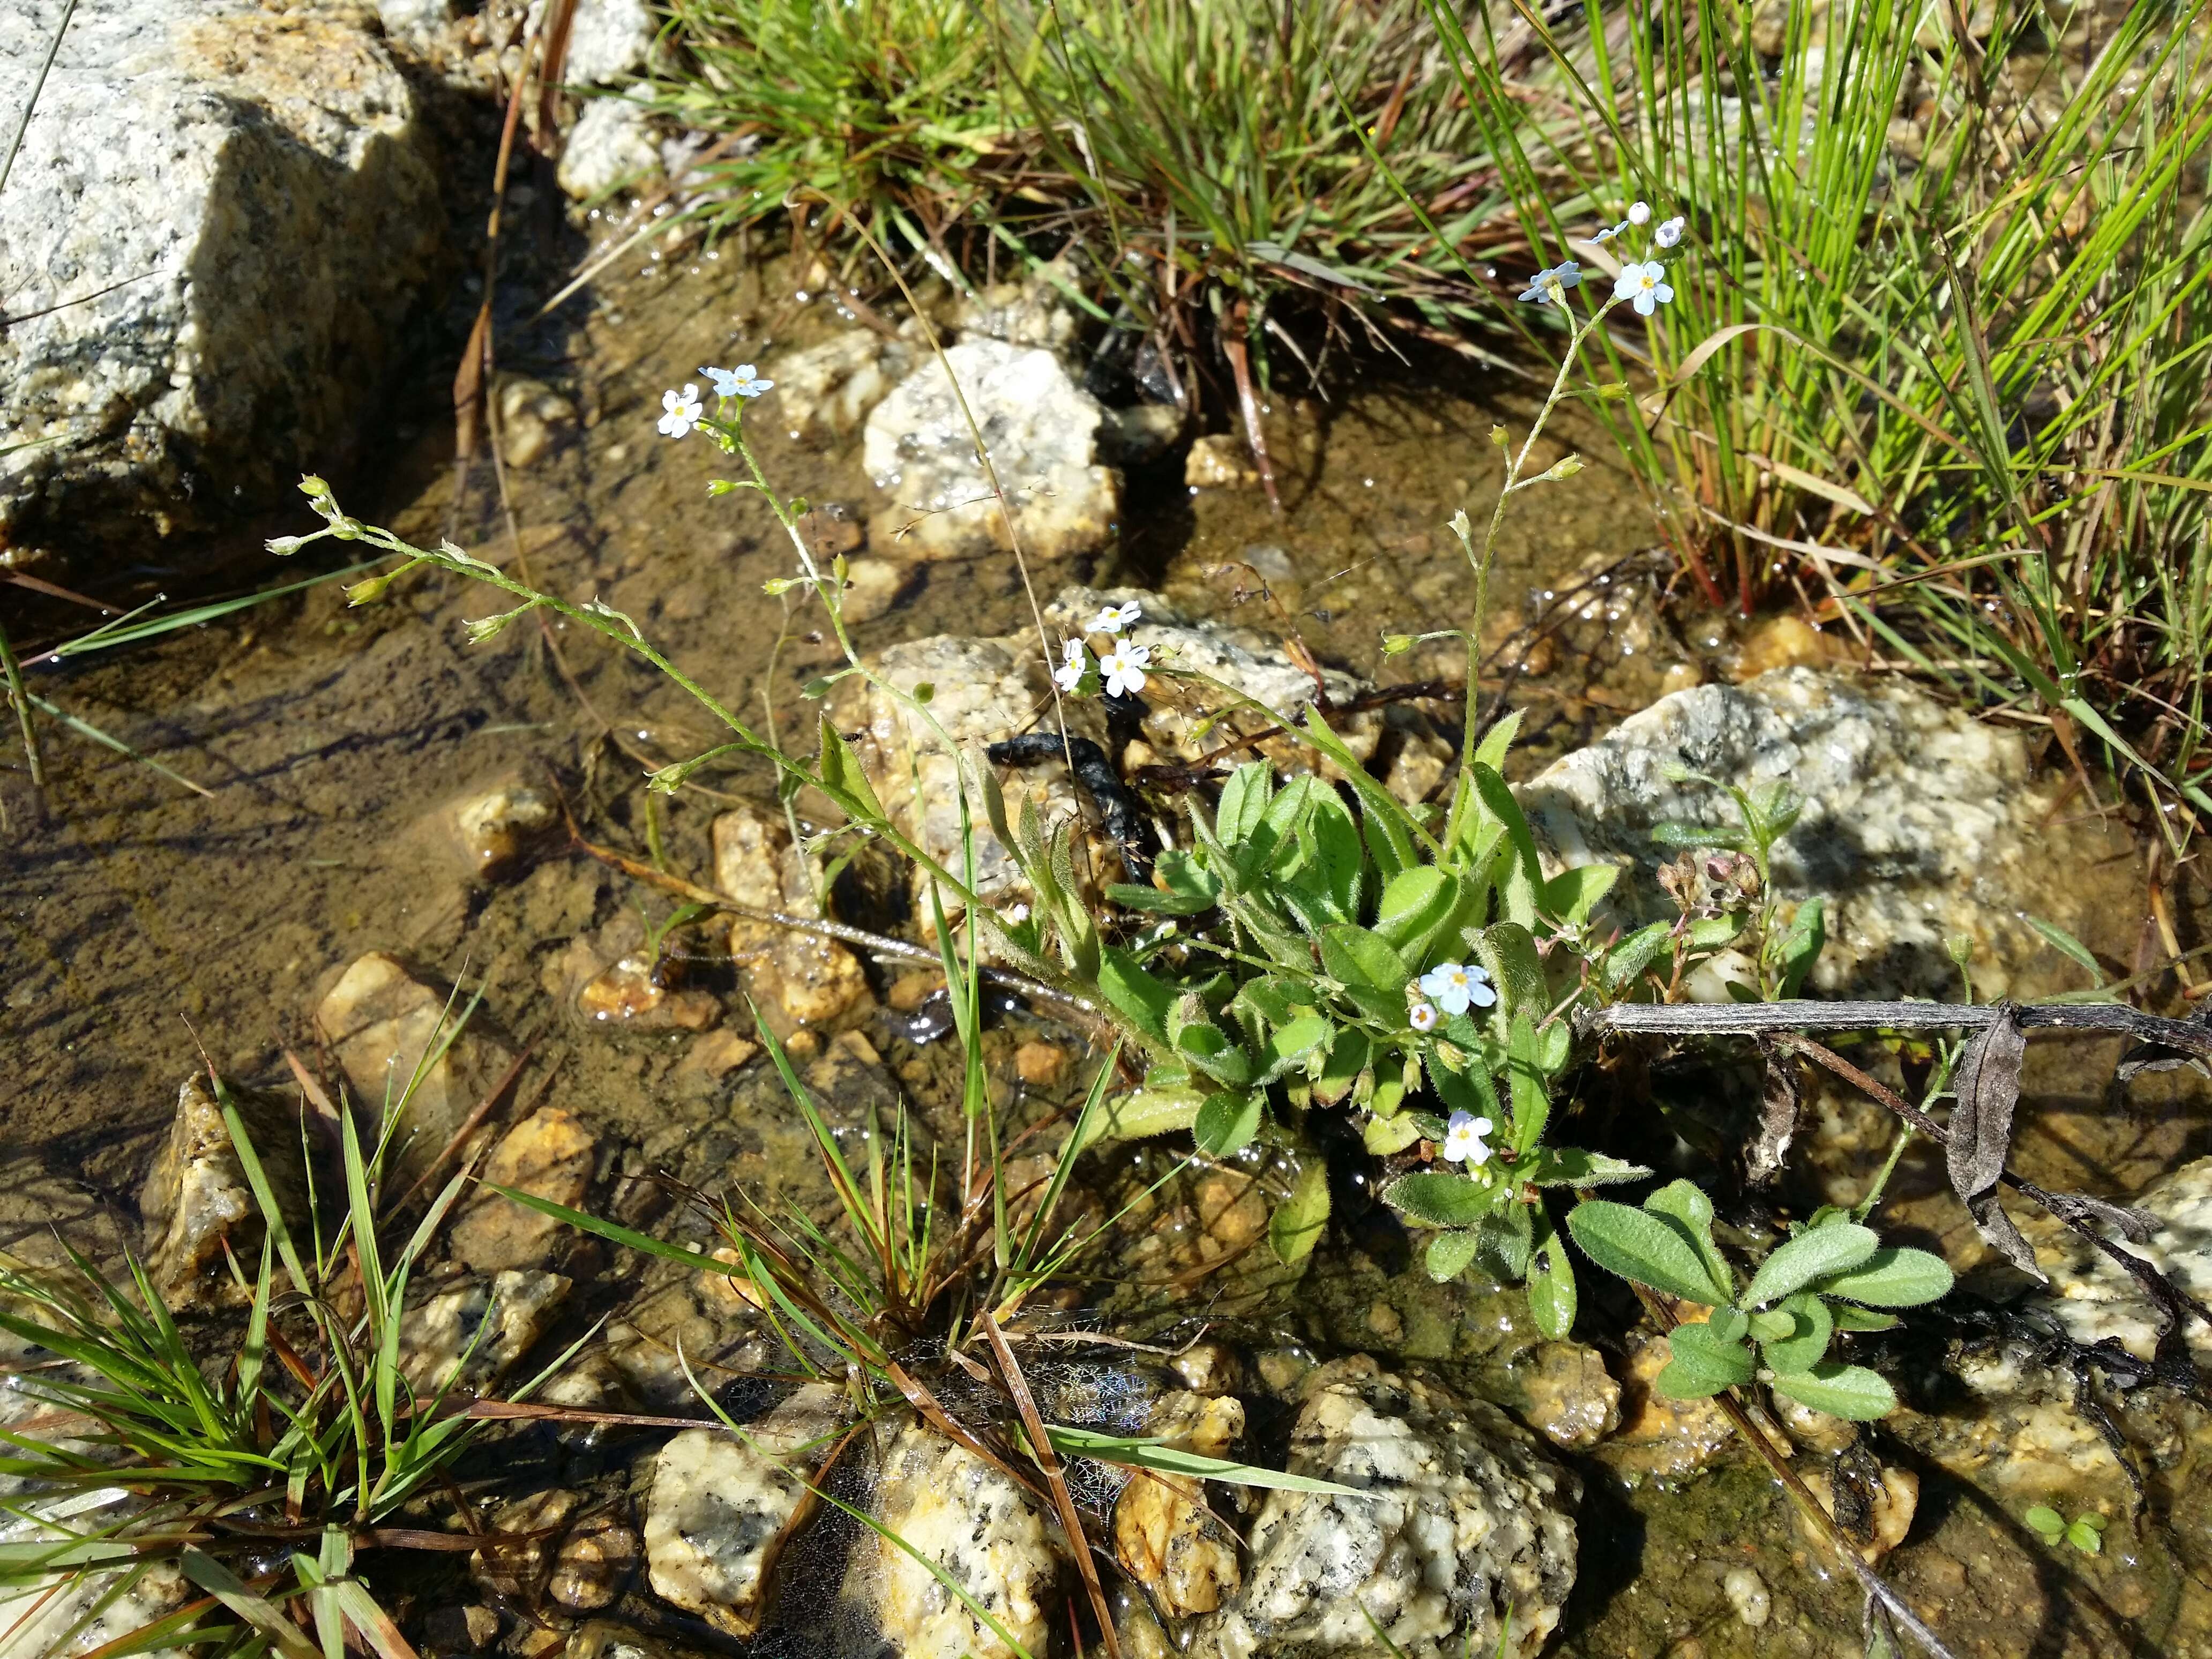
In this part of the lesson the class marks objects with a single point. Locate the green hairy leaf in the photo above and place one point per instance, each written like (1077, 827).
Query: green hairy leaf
(1244, 798)
(1570, 1166)
(1449, 1255)
(1808, 1256)
(1298, 1221)
(1891, 1277)
(1811, 1327)
(1437, 1199)
(1849, 1391)
(1704, 1363)
(1227, 1122)
(1414, 904)
(1143, 999)
(1359, 958)
(1645, 1248)
(1553, 1296)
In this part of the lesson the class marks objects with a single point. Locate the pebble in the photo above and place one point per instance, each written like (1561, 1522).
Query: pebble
(1658, 1435)
(496, 828)
(628, 994)
(1785, 639)
(909, 990)
(549, 1155)
(1163, 1534)
(1746, 1593)
(383, 1024)
(1042, 1064)
(1570, 1399)
(533, 418)
(874, 587)
(513, 1563)
(718, 1053)
(1220, 461)
(594, 1562)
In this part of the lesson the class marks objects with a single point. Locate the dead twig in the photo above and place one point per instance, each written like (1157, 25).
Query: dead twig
(1743, 1019)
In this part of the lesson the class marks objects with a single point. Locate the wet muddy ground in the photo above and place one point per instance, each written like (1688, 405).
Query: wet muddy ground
(148, 926)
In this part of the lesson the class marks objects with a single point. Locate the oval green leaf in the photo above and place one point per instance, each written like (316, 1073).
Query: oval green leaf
(1851, 1391)
(1703, 1364)
(1436, 1199)
(1892, 1278)
(1646, 1248)
(1810, 1256)
(1812, 1326)
(1449, 1255)
(1226, 1123)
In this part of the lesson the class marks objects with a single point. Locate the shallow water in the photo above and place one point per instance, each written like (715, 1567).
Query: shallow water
(147, 926)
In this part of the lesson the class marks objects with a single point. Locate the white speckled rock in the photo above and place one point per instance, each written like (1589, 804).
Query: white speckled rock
(612, 143)
(608, 40)
(2094, 1297)
(1247, 659)
(1919, 823)
(1041, 430)
(251, 196)
(721, 1510)
(828, 389)
(76, 1617)
(439, 1337)
(984, 691)
(1468, 1520)
(982, 1531)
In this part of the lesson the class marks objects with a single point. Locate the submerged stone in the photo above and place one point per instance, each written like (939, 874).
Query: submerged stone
(978, 1528)
(1461, 1521)
(723, 1508)
(199, 1210)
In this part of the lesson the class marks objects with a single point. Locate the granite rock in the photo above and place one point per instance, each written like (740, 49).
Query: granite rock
(722, 1507)
(1461, 1521)
(469, 1332)
(1041, 431)
(219, 216)
(1919, 823)
(978, 1529)
(613, 143)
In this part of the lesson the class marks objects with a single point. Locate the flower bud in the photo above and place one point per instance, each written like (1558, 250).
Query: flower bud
(313, 488)
(780, 585)
(367, 590)
(284, 546)
(1498, 434)
(1566, 468)
(1397, 645)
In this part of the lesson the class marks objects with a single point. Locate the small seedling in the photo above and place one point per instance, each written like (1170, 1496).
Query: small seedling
(2085, 1532)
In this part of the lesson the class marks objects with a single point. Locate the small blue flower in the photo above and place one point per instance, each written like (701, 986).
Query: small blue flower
(1567, 274)
(738, 382)
(1644, 286)
(1452, 985)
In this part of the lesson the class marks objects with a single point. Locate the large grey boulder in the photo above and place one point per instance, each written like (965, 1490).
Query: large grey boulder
(220, 214)
(1920, 823)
